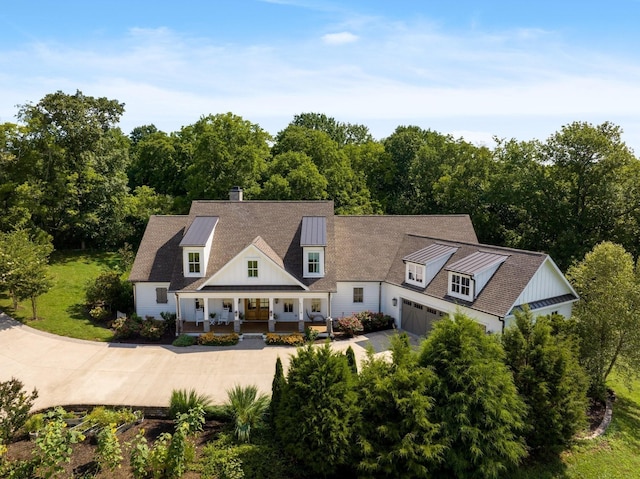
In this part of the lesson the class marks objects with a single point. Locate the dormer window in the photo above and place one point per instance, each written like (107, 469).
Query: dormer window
(460, 286)
(313, 263)
(415, 274)
(194, 263)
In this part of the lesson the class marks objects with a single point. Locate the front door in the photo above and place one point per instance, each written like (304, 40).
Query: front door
(256, 309)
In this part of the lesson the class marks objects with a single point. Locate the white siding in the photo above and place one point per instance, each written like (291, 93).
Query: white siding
(146, 304)
(389, 291)
(563, 309)
(235, 273)
(546, 283)
(342, 301)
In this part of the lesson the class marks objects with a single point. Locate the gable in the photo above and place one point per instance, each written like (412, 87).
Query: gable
(547, 282)
(257, 265)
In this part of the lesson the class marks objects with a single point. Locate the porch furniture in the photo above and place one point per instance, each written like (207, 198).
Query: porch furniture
(199, 316)
(224, 317)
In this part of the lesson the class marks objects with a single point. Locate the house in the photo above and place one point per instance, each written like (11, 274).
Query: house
(280, 265)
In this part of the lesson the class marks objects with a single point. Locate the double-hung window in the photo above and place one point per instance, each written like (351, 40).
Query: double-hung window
(358, 295)
(194, 262)
(313, 264)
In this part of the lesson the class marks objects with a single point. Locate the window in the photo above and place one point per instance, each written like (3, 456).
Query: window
(460, 284)
(252, 268)
(315, 305)
(415, 273)
(194, 262)
(288, 306)
(228, 305)
(161, 295)
(199, 304)
(358, 295)
(313, 265)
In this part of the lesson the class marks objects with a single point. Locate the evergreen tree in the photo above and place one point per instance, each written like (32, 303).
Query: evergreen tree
(550, 381)
(318, 410)
(477, 403)
(351, 359)
(276, 392)
(397, 437)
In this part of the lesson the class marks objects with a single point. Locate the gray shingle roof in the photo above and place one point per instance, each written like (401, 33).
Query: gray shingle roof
(498, 295)
(268, 251)
(368, 245)
(158, 249)
(278, 223)
(199, 231)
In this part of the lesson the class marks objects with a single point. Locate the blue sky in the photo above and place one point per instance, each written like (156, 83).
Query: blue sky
(475, 69)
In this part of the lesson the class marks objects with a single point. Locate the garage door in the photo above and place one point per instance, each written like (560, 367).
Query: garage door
(416, 318)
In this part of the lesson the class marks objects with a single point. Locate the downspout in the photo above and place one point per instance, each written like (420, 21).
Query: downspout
(502, 321)
(380, 297)
(329, 305)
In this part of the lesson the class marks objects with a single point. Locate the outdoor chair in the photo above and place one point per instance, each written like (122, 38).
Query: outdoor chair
(224, 317)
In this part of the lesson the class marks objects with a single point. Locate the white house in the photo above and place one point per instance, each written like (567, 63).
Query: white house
(284, 263)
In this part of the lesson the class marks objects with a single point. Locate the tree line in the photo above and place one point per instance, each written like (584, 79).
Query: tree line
(66, 169)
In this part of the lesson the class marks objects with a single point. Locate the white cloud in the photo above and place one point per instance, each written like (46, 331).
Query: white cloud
(339, 38)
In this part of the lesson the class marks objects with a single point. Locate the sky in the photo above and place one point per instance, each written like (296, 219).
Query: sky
(472, 69)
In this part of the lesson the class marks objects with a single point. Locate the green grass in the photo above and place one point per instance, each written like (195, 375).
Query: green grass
(61, 310)
(616, 455)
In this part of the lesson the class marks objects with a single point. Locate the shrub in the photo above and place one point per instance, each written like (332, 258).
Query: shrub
(34, 423)
(184, 340)
(211, 339)
(310, 335)
(350, 326)
(374, 321)
(127, 327)
(183, 401)
(152, 329)
(99, 313)
(139, 455)
(294, 339)
(110, 292)
(15, 405)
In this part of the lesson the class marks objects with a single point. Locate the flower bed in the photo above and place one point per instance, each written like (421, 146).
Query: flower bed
(211, 339)
(294, 339)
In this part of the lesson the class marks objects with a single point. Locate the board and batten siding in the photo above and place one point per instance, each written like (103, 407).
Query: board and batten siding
(547, 282)
(235, 272)
(146, 304)
(342, 300)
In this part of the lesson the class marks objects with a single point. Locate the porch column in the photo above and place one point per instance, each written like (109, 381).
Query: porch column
(178, 318)
(272, 322)
(301, 315)
(236, 315)
(207, 326)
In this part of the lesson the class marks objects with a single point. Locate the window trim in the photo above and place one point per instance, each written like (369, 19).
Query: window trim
(461, 286)
(193, 262)
(162, 295)
(316, 305)
(415, 273)
(253, 270)
(315, 262)
(358, 295)
(307, 252)
(287, 304)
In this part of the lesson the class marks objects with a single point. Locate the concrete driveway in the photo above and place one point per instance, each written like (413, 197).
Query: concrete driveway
(72, 372)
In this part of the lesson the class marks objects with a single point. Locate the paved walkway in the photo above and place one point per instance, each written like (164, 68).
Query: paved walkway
(70, 371)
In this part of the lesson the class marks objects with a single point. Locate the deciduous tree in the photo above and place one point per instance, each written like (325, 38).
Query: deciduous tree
(608, 313)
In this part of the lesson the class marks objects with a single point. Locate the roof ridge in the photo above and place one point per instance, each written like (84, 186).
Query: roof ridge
(480, 245)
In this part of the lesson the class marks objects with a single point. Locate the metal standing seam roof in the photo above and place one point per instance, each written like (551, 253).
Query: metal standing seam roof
(430, 253)
(199, 231)
(314, 231)
(476, 263)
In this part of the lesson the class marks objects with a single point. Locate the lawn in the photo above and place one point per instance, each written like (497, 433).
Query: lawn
(60, 310)
(616, 455)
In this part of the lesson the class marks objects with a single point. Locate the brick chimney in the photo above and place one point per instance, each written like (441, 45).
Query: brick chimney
(235, 194)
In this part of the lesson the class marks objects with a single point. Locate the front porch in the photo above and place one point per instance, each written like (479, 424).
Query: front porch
(253, 327)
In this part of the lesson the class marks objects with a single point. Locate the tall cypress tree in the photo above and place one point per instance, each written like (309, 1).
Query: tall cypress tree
(277, 385)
